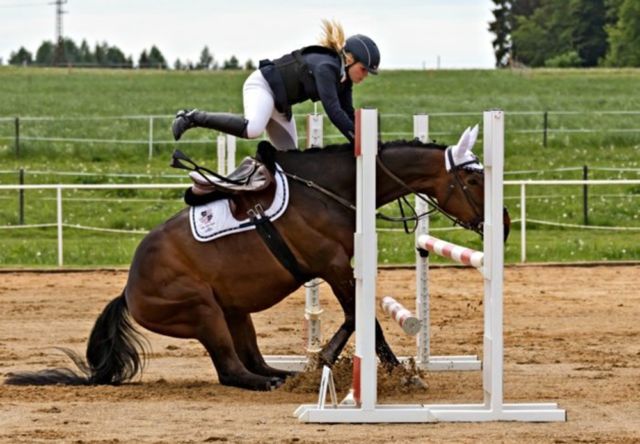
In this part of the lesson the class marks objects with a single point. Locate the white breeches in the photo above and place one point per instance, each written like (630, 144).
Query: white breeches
(260, 111)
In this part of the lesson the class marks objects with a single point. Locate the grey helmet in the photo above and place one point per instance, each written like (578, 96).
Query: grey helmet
(365, 51)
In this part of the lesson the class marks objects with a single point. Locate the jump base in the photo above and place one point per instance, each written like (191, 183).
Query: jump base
(541, 412)
(435, 363)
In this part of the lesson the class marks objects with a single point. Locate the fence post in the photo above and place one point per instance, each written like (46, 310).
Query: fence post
(150, 137)
(21, 196)
(231, 153)
(59, 214)
(545, 126)
(17, 133)
(222, 148)
(585, 195)
(523, 223)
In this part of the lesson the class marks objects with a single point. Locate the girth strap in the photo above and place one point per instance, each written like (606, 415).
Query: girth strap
(276, 243)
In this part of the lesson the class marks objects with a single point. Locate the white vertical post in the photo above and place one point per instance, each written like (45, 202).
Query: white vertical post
(231, 153)
(366, 259)
(523, 223)
(222, 148)
(150, 137)
(312, 296)
(421, 132)
(59, 217)
(494, 261)
(314, 130)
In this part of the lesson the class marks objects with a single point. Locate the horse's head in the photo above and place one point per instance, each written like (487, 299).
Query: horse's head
(460, 192)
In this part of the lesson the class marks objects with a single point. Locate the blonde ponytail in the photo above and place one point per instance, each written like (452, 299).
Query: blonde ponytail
(333, 35)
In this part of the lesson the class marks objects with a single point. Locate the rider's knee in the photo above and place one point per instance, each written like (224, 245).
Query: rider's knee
(254, 130)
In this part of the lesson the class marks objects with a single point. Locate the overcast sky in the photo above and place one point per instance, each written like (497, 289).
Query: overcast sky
(410, 33)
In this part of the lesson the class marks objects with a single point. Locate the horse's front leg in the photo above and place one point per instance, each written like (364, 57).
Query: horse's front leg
(343, 287)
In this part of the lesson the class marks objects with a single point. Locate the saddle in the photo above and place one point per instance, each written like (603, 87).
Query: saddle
(251, 184)
(250, 176)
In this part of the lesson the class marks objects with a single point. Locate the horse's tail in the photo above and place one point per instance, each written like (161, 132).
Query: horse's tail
(116, 352)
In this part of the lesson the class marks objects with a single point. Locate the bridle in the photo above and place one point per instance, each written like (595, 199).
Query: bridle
(475, 225)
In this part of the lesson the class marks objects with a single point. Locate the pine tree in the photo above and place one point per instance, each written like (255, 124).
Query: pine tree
(21, 57)
(206, 59)
(232, 63)
(156, 59)
(501, 27)
(44, 54)
(588, 30)
(624, 36)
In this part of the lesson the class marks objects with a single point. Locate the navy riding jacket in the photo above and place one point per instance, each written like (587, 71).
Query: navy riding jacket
(313, 73)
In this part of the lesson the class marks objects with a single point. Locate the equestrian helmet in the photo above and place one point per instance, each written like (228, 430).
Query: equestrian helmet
(364, 50)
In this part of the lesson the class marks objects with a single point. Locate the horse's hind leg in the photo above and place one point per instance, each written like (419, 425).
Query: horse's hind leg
(246, 345)
(184, 308)
(216, 334)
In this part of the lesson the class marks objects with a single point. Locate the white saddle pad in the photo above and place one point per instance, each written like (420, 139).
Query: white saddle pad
(214, 220)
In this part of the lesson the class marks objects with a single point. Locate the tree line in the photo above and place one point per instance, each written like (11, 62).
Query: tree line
(67, 53)
(566, 33)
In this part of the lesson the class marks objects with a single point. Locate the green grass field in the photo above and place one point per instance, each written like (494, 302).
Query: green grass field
(88, 104)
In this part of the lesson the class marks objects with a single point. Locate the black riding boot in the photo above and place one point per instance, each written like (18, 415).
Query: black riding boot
(225, 122)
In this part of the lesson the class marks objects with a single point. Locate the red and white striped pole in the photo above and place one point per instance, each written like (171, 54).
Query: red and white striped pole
(405, 319)
(462, 255)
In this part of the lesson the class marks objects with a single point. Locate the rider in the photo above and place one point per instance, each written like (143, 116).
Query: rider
(326, 73)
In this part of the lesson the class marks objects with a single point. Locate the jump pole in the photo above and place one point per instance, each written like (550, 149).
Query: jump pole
(403, 317)
(493, 407)
(424, 359)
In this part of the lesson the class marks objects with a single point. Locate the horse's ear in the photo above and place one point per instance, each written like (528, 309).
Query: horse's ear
(466, 142)
(461, 154)
(462, 147)
(473, 136)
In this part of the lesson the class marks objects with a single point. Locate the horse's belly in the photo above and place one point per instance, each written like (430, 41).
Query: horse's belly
(253, 293)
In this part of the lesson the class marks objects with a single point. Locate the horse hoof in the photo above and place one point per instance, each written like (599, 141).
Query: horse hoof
(417, 381)
(275, 383)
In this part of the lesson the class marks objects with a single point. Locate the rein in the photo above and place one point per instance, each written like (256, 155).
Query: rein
(430, 200)
(314, 186)
(415, 217)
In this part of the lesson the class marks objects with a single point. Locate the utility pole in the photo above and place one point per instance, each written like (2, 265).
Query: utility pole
(58, 55)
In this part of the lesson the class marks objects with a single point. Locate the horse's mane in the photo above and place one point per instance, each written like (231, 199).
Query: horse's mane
(267, 153)
(413, 143)
(347, 147)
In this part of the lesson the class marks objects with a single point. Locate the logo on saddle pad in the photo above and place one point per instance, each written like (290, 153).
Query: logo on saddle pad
(214, 219)
(206, 216)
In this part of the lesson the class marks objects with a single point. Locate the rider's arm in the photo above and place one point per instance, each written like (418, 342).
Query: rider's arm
(338, 109)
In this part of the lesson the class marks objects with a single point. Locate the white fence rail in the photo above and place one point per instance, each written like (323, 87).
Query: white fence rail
(523, 201)
(523, 184)
(59, 216)
(152, 136)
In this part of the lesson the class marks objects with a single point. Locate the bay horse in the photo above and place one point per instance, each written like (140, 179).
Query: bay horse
(183, 288)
